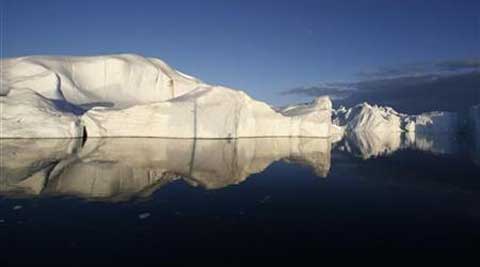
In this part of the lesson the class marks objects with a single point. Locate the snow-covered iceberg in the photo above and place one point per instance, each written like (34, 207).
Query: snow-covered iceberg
(129, 95)
(372, 130)
(366, 117)
(27, 114)
(112, 80)
(210, 112)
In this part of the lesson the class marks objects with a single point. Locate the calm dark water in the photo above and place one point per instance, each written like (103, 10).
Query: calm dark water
(180, 201)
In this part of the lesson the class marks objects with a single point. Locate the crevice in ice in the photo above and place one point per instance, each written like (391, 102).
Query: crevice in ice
(84, 136)
(192, 158)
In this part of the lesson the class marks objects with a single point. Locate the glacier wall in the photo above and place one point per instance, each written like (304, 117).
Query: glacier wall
(132, 96)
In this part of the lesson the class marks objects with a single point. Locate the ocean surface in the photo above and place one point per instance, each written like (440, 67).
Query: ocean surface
(185, 201)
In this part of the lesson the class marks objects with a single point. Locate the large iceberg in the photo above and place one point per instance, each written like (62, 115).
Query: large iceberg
(114, 80)
(132, 96)
(27, 114)
(210, 112)
(129, 95)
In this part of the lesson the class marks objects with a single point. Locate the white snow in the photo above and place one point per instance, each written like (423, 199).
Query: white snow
(26, 114)
(114, 80)
(372, 130)
(365, 117)
(129, 95)
(210, 112)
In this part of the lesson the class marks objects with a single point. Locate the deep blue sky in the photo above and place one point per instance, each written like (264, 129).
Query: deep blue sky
(262, 47)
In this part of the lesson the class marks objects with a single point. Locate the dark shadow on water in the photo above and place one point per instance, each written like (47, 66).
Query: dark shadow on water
(229, 200)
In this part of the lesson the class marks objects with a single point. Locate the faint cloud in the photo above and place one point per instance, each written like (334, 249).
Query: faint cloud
(334, 90)
(413, 94)
(454, 65)
(422, 69)
(309, 31)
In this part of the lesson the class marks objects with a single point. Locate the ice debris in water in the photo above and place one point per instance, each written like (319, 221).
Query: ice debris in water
(144, 215)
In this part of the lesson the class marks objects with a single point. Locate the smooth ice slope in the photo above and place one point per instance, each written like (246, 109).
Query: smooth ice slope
(115, 80)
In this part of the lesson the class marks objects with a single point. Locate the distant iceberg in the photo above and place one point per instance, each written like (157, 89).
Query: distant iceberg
(372, 131)
(474, 126)
(366, 117)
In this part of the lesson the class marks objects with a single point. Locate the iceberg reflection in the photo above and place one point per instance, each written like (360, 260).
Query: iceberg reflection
(367, 144)
(26, 163)
(116, 169)
(120, 168)
(371, 144)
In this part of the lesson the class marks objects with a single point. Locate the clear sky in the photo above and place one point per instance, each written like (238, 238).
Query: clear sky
(262, 47)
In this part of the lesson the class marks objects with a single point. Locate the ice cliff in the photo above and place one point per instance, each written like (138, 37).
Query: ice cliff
(27, 114)
(210, 112)
(129, 95)
(132, 96)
